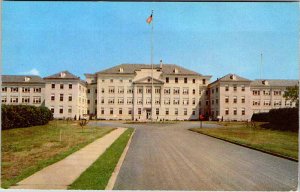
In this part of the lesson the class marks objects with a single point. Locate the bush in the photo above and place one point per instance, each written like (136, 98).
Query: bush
(15, 116)
(284, 119)
(260, 117)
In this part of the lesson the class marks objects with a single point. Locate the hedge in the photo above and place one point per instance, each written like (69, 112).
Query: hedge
(260, 117)
(285, 118)
(16, 116)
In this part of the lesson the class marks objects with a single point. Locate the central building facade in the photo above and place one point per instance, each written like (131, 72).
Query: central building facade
(125, 92)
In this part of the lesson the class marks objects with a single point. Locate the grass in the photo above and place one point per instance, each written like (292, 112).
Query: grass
(283, 143)
(98, 174)
(149, 122)
(28, 150)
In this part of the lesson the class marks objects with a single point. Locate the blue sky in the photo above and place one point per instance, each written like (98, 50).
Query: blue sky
(210, 38)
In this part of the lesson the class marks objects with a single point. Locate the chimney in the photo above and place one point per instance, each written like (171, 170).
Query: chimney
(161, 64)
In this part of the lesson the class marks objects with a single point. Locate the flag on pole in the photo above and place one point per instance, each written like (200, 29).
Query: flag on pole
(149, 19)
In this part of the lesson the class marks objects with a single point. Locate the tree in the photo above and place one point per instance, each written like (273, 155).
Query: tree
(292, 94)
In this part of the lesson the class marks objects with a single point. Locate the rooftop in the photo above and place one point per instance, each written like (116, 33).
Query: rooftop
(22, 79)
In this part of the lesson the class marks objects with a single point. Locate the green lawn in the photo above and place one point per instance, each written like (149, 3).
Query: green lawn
(27, 150)
(98, 174)
(279, 142)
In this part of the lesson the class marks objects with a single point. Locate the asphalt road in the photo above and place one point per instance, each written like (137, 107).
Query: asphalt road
(169, 157)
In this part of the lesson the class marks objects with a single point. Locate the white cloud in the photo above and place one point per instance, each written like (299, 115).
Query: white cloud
(33, 71)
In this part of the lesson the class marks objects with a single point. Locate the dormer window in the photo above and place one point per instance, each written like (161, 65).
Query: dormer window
(62, 74)
(175, 70)
(121, 69)
(26, 79)
(233, 77)
(264, 82)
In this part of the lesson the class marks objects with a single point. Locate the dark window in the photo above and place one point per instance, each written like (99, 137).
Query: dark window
(88, 91)
(203, 81)
(167, 79)
(70, 86)
(61, 86)
(52, 97)
(88, 101)
(176, 79)
(53, 86)
(194, 80)
(61, 97)
(111, 111)
(96, 101)
(52, 110)
(95, 90)
(61, 110)
(185, 80)
(102, 111)
(120, 111)
(70, 98)
(194, 91)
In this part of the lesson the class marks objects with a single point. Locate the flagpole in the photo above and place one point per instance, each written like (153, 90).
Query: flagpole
(152, 90)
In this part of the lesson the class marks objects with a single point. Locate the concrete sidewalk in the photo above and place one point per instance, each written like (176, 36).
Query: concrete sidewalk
(63, 173)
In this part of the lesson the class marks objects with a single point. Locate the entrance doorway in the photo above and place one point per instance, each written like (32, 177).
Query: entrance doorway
(148, 113)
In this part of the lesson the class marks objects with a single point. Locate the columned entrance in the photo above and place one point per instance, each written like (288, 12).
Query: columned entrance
(148, 114)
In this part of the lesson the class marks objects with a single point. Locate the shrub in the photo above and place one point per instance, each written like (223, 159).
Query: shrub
(15, 116)
(285, 119)
(260, 117)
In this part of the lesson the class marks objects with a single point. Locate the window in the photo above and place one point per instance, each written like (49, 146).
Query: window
(277, 92)
(61, 110)
(102, 90)
(203, 81)
(70, 98)
(88, 90)
(53, 86)
(130, 80)
(212, 102)
(149, 80)
(70, 87)
(52, 109)
(148, 90)
(14, 99)
(167, 111)
(266, 92)
(139, 101)
(194, 81)
(129, 100)
(37, 90)
(95, 90)
(212, 91)
(194, 91)
(103, 80)
(185, 80)
(120, 100)
(176, 101)
(234, 99)
(120, 89)
(120, 111)
(234, 87)
(206, 102)
(157, 111)
(176, 79)
(243, 111)
(267, 102)
(25, 99)
(256, 102)
(140, 90)
(277, 103)
(256, 92)
(148, 101)
(167, 101)
(243, 99)
(102, 110)
(14, 89)
(157, 90)
(176, 91)
(95, 101)
(194, 112)
(185, 111)
(227, 111)
(185, 91)
(111, 90)
(111, 100)
(102, 100)
(111, 80)
(88, 101)
(234, 111)
(176, 111)
(226, 99)
(121, 80)
(217, 101)
(217, 89)
(69, 109)
(194, 101)
(226, 87)
(61, 97)
(129, 90)
(167, 79)
(139, 111)
(129, 111)
(4, 99)
(4, 89)
(52, 97)
(157, 101)
(243, 87)
(167, 91)
(185, 101)
(111, 111)
(61, 86)
(37, 100)
(26, 90)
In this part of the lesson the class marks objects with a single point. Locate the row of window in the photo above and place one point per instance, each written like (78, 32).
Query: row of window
(167, 101)
(157, 111)
(61, 110)
(268, 103)
(235, 111)
(24, 89)
(35, 100)
(234, 88)
(234, 99)
(266, 92)
(176, 80)
(70, 98)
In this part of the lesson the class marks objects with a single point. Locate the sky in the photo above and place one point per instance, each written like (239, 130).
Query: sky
(44, 38)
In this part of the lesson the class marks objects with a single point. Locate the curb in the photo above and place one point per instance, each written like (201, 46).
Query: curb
(249, 147)
(115, 173)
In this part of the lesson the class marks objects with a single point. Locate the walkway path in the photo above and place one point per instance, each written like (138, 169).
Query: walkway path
(63, 173)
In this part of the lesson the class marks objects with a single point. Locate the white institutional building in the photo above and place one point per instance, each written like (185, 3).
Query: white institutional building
(125, 92)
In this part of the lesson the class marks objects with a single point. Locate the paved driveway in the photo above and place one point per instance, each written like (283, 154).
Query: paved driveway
(169, 157)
